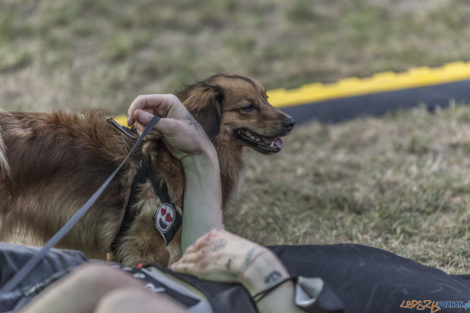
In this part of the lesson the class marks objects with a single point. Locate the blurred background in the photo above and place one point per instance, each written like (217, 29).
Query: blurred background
(80, 54)
(400, 182)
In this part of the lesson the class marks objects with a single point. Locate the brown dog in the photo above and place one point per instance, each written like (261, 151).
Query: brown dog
(50, 164)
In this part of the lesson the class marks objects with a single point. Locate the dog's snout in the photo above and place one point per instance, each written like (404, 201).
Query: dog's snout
(288, 123)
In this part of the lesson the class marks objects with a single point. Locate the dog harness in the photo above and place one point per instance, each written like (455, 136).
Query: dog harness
(167, 219)
(41, 253)
(130, 132)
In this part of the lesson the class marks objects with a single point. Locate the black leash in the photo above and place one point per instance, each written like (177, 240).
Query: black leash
(129, 212)
(18, 277)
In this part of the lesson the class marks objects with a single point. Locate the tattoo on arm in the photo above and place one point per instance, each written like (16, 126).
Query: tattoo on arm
(272, 277)
(192, 121)
(251, 257)
(248, 258)
(218, 244)
(227, 265)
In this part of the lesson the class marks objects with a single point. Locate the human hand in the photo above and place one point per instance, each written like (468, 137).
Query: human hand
(225, 257)
(218, 255)
(182, 134)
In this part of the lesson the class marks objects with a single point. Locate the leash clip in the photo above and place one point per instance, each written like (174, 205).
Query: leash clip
(130, 132)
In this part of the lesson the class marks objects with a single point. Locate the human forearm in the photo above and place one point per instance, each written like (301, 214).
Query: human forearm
(265, 272)
(222, 256)
(187, 141)
(202, 196)
(279, 300)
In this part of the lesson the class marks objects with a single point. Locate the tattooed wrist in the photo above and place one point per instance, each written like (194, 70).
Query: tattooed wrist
(250, 258)
(264, 271)
(272, 278)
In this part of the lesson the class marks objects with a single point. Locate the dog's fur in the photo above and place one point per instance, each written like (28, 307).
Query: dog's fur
(51, 163)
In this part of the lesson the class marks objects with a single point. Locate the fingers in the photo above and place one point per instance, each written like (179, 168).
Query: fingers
(196, 251)
(192, 248)
(192, 257)
(185, 268)
(159, 104)
(189, 262)
(139, 103)
(197, 264)
(200, 243)
(143, 117)
(165, 126)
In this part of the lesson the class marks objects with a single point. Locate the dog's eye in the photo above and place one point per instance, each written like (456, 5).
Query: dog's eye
(248, 108)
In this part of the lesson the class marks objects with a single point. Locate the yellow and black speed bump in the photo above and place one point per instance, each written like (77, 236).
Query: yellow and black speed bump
(374, 96)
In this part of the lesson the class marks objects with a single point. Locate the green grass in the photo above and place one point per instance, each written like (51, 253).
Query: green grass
(400, 183)
(82, 54)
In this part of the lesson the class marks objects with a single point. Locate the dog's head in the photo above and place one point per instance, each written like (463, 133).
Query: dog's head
(235, 109)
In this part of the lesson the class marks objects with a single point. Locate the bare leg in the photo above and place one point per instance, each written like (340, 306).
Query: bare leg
(81, 291)
(133, 300)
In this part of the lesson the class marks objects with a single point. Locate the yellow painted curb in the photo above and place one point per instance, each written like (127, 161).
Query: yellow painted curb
(386, 81)
(380, 82)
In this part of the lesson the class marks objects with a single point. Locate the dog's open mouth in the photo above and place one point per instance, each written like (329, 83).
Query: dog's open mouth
(266, 145)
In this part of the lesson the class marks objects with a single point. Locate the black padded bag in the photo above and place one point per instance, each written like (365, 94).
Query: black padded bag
(371, 280)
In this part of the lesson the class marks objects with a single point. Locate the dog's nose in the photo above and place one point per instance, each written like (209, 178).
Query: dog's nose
(288, 123)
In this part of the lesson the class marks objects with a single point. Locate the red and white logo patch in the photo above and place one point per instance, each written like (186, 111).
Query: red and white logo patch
(165, 217)
(168, 221)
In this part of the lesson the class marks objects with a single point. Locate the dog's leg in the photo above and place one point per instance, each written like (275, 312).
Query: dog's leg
(143, 243)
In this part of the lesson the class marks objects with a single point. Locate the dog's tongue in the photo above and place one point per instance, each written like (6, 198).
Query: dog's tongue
(278, 143)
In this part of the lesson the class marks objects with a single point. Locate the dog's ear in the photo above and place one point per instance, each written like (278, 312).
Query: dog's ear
(204, 101)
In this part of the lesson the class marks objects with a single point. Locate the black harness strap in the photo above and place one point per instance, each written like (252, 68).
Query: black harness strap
(28, 266)
(130, 214)
(166, 225)
(160, 190)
